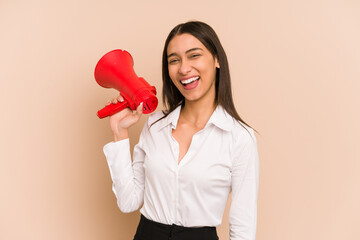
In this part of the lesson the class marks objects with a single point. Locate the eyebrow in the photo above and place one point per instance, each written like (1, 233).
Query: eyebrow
(190, 50)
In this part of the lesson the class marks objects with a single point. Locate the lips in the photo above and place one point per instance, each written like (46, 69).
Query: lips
(190, 80)
(190, 83)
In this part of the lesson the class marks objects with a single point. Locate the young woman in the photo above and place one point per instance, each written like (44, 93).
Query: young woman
(193, 154)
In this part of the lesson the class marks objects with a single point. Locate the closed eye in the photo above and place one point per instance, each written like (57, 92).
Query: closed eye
(173, 61)
(195, 55)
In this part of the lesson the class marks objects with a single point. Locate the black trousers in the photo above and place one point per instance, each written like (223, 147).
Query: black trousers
(150, 230)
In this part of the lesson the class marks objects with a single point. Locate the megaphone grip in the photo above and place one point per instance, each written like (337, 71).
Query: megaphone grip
(112, 109)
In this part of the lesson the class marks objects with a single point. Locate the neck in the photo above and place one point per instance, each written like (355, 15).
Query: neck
(197, 113)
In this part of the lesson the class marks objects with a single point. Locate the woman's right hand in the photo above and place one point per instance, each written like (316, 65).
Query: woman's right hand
(121, 121)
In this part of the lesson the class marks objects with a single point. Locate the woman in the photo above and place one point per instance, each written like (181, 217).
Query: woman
(191, 156)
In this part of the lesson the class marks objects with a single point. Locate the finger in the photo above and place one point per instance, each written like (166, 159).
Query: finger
(120, 98)
(139, 109)
(114, 101)
(108, 103)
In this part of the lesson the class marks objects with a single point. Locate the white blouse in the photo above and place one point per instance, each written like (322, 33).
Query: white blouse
(222, 157)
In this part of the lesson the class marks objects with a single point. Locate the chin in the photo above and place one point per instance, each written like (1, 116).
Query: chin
(192, 98)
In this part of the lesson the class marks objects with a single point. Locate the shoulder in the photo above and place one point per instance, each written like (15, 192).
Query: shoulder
(155, 116)
(244, 145)
(242, 134)
(234, 128)
(155, 120)
(151, 127)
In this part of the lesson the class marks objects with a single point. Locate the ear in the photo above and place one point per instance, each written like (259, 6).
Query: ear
(217, 64)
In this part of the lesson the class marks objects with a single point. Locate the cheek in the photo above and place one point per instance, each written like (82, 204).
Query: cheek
(172, 73)
(211, 68)
(206, 65)
(206, 69)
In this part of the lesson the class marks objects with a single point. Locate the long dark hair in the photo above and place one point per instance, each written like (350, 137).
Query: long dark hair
(172, 97)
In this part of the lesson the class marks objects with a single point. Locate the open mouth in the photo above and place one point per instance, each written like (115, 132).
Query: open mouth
(189, 81)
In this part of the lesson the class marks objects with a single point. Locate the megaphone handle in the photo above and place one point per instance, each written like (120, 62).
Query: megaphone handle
(112, 109)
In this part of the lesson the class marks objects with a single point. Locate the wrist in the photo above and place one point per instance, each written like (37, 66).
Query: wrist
(121, 135)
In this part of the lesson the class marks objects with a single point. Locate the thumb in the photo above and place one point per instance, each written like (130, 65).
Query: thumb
(139, 109)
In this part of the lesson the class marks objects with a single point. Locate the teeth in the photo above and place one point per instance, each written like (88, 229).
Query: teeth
(187, 81)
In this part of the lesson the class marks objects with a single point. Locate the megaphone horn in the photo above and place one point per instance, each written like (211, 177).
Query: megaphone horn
(115, 70)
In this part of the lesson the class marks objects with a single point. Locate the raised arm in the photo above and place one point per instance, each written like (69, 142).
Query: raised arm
(127, 175)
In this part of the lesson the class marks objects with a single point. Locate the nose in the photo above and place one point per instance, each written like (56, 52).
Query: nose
(185, 67)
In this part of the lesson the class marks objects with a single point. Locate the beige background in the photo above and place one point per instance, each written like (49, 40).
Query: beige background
(295, 68)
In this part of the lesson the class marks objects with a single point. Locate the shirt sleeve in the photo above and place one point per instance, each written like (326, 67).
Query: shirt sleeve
(245, 182)
(128, 177)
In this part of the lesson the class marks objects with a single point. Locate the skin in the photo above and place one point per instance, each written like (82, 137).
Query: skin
(187, 57)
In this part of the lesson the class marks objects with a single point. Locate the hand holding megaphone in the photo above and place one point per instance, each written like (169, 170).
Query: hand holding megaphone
(115, 70)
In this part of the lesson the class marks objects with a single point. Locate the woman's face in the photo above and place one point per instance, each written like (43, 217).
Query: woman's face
(192, 68)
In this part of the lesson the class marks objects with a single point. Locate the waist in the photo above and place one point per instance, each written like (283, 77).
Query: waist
(166, 226)
(164, 231)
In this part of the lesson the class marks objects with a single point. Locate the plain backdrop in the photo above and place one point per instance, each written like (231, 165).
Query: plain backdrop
(295, 67)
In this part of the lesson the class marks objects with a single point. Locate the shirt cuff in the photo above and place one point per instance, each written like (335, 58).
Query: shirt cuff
(119, 159)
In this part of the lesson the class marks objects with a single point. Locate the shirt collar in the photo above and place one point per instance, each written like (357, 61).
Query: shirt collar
(219, 118)
(171, 119)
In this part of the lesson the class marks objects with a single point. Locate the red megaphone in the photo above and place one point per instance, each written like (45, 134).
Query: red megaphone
(115, 70)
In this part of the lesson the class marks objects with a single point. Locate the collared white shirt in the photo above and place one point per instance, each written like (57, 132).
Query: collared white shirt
(222, 157)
